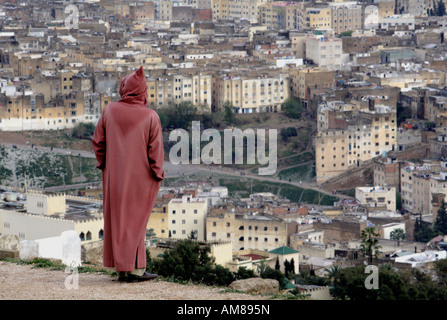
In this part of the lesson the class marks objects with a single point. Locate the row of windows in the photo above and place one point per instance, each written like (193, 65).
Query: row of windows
(184, 221)
(88, 236)
(183, 211)
(183, 232)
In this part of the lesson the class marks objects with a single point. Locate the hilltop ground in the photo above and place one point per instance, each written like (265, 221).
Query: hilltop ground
(24, 282)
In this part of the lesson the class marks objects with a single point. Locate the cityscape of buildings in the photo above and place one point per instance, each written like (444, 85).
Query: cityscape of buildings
(370, 75)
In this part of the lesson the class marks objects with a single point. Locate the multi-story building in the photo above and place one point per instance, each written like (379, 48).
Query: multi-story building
(417, 8)
(346, 16)
(236, 9)
(26, 111)
(348, 140)
(247, 231)
(279, 15)
(318, 18)
(186, 216)
(251, 94)
(396, 20)
(387, 172)
(386, 8)
(194, 88)
(376, 198)
(417, 186)
(304, 80)
(165, 10)
(325, 52)
(142, 11)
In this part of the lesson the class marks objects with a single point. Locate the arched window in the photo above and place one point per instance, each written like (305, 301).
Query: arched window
(101, 234)
(89, 235)
(82, 236)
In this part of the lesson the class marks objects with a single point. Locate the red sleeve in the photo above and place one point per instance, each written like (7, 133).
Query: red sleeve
(99, 143)
(155, 149)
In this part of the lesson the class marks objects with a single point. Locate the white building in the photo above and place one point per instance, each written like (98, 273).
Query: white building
(186, 215)
(421, 258)
(399, 20)
(48, 216)
(325, 52)
(376, 197)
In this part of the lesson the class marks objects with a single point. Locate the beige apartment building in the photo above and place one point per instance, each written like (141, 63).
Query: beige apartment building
(438, 191)
(251, 94)
(158, 220)
(318, 18)
(347, 141)
(27, 111)
(247, 231)
(165, 11)
(376, 198)
(187, 215)
(194, 88)
(417, 186)
(236, 9)
(422, 186)
(346, 16)
(304, 80)
(279, 15)
(387, 172)
(386, 8)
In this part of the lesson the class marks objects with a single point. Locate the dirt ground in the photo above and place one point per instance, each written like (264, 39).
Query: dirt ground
(23, 282)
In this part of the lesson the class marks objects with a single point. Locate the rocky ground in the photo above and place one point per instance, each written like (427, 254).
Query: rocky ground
(25, 282)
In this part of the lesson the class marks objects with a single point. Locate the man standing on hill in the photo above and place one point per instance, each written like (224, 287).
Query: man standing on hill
(128, 145)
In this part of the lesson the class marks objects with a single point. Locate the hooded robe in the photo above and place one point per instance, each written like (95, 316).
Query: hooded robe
(128, 145)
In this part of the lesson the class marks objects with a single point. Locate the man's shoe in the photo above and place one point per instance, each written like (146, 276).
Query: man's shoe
(122, 276)
(145, 277)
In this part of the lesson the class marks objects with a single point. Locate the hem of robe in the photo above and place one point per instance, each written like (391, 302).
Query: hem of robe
(122, 267)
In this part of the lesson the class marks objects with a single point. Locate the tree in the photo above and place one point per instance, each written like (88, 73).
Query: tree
(370, 246)
(277, 266)
(398, 235)
(423, 232)
(293, 108)
(186, 261)
(440, 9)
(83, 130)
(440, 225)
(286, 133)
(402, 113)
(228, 112)
(270, 273)
(289, 268)
(333, 273)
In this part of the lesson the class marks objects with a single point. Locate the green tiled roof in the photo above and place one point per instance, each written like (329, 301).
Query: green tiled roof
(283, 250)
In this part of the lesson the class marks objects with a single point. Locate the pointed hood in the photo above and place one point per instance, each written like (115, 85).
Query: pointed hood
(133, 88)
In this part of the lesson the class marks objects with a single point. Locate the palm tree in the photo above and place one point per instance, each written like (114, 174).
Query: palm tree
(398, 235)
(333, 273)
(370, 246)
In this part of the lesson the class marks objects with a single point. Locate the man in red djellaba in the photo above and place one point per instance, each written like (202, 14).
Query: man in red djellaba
(128, 145)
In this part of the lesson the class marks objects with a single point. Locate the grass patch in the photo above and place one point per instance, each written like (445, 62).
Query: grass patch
(299, 173)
